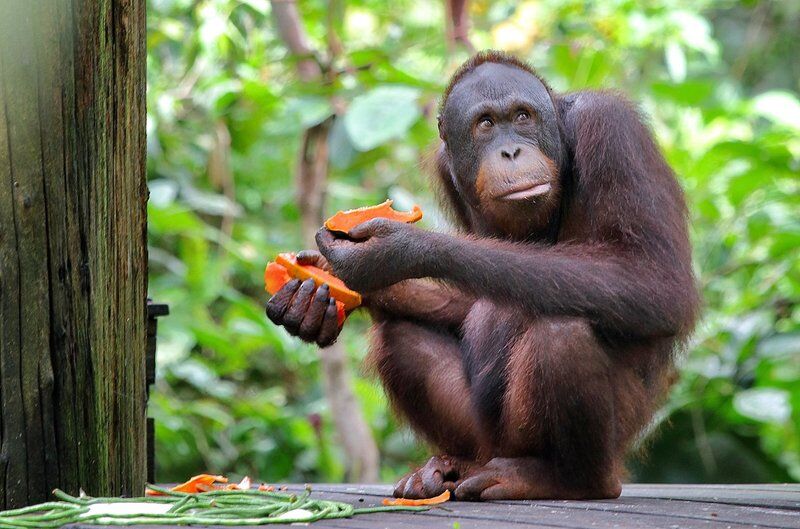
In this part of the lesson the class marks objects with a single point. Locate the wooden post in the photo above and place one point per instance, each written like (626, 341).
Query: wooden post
(73, 257)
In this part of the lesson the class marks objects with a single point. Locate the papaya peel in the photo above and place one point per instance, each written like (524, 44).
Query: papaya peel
(344, 221)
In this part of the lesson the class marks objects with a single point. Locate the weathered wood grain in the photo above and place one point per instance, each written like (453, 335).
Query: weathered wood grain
(72, 247)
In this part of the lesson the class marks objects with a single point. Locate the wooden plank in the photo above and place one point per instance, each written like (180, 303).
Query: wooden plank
(606, 513)
(781, 487)
(636, 489)
(678, 510)
(785, 497)
(629, 511)
(767, 496)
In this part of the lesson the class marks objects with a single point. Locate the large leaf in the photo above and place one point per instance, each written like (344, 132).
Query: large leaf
(763, 404)
(676, 61)
(309, 110)
(382, 114)
(780, 345)
(780, 107)
(342, 152)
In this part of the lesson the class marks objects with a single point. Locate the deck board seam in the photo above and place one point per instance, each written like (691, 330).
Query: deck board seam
(537, 506)
(788, 508)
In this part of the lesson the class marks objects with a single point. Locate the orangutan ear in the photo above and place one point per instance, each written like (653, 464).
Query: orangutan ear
(439, 125)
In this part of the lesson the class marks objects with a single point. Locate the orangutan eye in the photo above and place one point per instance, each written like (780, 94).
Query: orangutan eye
(522, 115)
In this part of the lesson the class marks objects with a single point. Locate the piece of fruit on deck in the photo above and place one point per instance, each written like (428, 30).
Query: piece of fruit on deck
(441, 498)
(196, 484)
(344, 221)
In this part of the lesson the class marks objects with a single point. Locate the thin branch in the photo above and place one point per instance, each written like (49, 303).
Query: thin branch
(458, 24)
(290, 28)
(352, 430)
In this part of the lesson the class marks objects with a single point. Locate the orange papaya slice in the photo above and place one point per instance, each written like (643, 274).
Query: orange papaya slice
(441, 498)
(200, 483)
(285, 268)
(275, 276)
(344, 221)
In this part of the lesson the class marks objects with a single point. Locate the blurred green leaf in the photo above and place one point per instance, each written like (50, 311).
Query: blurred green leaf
(676, 61)
(781, 345)
(380, 115)
(763, 404)
(780, 107)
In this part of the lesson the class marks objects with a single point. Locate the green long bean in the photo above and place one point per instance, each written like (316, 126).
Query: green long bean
(218, 507)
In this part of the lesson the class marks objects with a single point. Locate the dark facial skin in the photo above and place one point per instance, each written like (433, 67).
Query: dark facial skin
(501, 134)
(532, 348)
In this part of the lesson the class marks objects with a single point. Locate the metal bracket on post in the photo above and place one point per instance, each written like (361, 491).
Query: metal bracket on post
(154, 310)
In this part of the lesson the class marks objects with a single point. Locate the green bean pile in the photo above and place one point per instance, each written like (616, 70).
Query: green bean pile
(219, 507)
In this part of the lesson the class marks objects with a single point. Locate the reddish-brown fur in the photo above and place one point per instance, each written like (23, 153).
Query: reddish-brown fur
(542, 338)
(552, 358)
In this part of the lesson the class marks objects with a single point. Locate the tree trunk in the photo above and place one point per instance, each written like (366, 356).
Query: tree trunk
(73, 257)
(361, 453)
(458, 25)
(362, 462)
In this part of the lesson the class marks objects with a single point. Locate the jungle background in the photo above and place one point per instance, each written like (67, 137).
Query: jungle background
(264, 117)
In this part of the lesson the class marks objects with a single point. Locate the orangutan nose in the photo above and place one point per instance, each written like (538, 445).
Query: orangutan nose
(510, 153)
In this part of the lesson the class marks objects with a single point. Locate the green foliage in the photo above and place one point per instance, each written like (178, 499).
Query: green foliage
(380, 115)
(226, 111)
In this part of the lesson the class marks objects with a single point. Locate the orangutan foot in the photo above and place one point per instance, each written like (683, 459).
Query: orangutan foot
(440, 473)
(525, 478)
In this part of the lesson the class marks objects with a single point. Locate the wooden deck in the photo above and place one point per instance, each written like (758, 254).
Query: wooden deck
(640, 506)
